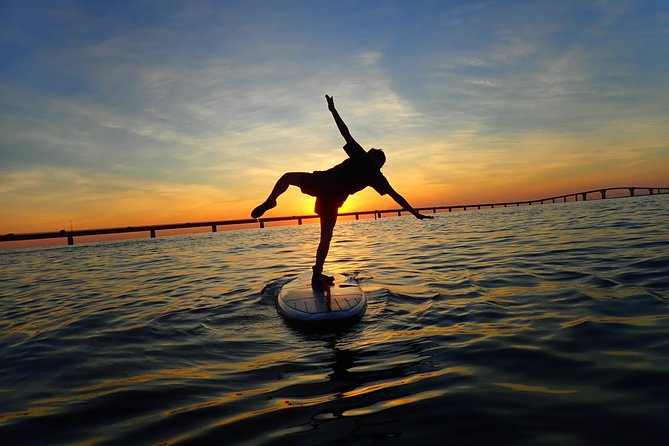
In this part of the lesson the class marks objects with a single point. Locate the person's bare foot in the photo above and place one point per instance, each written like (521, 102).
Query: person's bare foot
(320, 281)
(261, 209)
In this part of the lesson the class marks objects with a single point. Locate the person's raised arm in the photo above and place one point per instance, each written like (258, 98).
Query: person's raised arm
(405, 204)
(353, 149)
(340, 122)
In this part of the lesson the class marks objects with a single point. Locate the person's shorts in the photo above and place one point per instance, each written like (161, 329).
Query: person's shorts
(314, 184)
(318, 185)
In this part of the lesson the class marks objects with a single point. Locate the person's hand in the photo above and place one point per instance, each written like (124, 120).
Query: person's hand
(330, 100)
(420, 216)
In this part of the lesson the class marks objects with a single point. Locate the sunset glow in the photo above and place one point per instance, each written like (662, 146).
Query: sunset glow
(125, 113)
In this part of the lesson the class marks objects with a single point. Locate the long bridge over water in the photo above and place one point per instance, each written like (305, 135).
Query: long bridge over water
(632, 191)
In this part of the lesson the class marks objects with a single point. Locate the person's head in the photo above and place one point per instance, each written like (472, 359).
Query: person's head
(378, 156)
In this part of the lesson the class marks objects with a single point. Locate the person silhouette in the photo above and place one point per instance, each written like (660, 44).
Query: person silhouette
(332, 187)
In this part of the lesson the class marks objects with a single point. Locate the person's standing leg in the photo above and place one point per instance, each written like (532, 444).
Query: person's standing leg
(328, 221)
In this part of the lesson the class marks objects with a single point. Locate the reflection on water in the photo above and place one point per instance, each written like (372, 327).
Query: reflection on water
(510, 326)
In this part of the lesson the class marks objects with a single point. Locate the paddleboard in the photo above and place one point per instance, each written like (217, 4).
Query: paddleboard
(298, 302)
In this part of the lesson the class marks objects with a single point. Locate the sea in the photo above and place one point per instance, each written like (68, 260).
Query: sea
(533, 325)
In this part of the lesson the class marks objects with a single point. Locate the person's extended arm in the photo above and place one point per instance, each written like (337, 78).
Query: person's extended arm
(405, 204)
(353, 149)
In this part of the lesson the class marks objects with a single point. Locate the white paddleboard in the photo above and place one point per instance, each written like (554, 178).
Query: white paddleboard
(298, 302)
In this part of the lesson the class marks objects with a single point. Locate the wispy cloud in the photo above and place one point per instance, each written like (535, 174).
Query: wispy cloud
(213, 101)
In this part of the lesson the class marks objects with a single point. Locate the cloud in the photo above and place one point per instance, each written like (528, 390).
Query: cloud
(39, 199)
(548, 65)
(215, 126)
(214, 101)
(370, 58)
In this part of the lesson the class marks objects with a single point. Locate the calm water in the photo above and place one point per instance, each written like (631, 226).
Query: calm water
(534, 325)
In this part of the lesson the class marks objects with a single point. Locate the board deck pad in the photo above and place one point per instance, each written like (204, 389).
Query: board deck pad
(298, 301)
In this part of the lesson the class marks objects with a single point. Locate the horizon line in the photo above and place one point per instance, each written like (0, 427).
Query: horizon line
(261, 221)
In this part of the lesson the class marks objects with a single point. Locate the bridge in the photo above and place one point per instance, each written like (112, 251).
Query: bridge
(631, 191)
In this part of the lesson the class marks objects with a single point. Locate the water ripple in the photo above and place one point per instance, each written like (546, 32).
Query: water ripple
(509, 326)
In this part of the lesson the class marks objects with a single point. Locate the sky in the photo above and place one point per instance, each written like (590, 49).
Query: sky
(144, 112)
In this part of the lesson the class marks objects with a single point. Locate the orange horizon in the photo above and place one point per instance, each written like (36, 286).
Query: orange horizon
(293, 202)
(62, 241)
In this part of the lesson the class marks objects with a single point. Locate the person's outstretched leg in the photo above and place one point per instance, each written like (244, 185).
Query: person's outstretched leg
(287, 179)
(328, 221)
